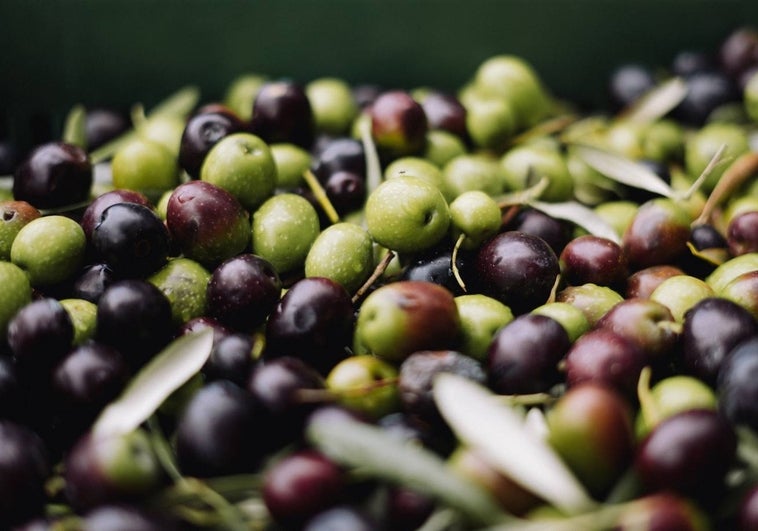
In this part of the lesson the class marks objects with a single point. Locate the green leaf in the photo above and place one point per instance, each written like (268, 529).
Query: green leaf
(163, 375)
(580, 215)
(180, 103)
(482, 421)
(74, 131)
(373, 167)
(380, 455)
(624, 170)
(658, 102)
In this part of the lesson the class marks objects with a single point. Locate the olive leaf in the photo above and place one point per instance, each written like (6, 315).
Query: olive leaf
(74, 127)
(658, 102)
(485, 423)
(580, 215)
(180, 103)
(373, 452)
(373, 167)
(163, 375)
(623, 170)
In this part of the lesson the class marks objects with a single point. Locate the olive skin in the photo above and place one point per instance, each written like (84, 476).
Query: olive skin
(55, 175)
(315, 313)
(523, 356)
(738, 392)
(24, 467)
(689, 453)
(242, 292)
(591, 429)
(202, 132)
(711, 329)
(134, 316)
(283, 113)
(657, 235)
(301, 485)
(517, 269)
(94, 212)
(220, 431)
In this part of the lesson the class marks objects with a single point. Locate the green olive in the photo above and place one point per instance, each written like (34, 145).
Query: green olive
(50, 249)
(415, 167)
(570, 317)
(16, 293)
(334, 107)
(241, 94)
(442, 147)
(472, 172)
(680, 293)
(343, 253)
(703, 145)
(291, 163)
(476, 215)
(526, 165)
(365, 383)
(145, 166)
(184, 283)
(481, 317)
(84, 318)
(284, 228)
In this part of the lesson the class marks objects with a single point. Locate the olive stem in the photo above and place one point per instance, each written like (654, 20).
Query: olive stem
(650, 413)
(378, 271)
(162, 449)
(522, 197)
(736, 174)
(548, 127)
(320, 194)
(228, 513)
(454, 262)
(73, 129)
(373, 166)
(706, 172)
(330, 395)
(532, 399)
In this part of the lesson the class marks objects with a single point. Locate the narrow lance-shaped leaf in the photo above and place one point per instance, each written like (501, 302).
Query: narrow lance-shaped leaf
(482, 421)
(74, 131)
(373, 452)
(163, 375)
(623, 170)
(373, 167)
(658, 102)
(579, 215)
(179, 103)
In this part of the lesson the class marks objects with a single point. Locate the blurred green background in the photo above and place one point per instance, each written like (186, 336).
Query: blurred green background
(55, 53)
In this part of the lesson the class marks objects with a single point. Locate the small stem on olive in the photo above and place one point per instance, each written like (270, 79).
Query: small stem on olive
(378, 271)
(706, 172)
(649, 409)
(522, 197)
(320, 194)
(736, 174)
(454, 262)
(533, 399)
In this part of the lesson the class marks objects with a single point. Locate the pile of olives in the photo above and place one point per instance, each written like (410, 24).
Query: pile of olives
(325, 252)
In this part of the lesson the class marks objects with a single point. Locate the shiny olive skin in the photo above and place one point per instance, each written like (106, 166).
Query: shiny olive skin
(517, 269)
(657, 235)
(301, 485)
(604, 357)
(313, 321)
(219, 431)
(689, 453)
(94, 212)
(242, 292)
(134, 317)
(282, 113)
(202, 132)
(131, 239)
(523, 356)
(54, 175)
(592, 259)
(738, 392)
(591, 429)
(712, 328)
(207, 223)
